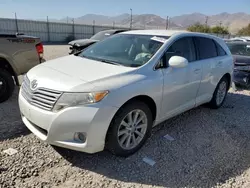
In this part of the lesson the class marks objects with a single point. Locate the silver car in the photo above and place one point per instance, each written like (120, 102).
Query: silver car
(113, 93)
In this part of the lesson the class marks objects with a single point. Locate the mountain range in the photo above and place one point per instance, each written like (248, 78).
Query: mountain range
(233, 21)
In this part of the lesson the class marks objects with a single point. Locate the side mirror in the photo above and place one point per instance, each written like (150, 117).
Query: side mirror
(178, 62)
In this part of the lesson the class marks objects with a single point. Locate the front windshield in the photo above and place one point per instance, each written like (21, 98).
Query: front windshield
(239, 49)
(125, 49)
(100, 36)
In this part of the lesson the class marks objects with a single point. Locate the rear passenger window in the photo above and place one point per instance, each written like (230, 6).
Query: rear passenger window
(206, 47)
(220, 50)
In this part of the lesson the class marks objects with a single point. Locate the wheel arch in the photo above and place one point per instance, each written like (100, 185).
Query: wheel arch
(5, 64)
(229, 79)
(149, 101)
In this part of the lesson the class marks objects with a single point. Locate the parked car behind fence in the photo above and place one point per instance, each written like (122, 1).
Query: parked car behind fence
(241, 54)
(79, 45)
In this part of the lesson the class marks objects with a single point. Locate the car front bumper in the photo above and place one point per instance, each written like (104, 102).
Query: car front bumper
(241, 77)
(59, 128)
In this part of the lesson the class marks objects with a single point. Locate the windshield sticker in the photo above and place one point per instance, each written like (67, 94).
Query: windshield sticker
(107, 34)
(159, 39)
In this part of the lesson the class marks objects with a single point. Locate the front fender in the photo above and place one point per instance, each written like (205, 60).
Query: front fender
(151, 86)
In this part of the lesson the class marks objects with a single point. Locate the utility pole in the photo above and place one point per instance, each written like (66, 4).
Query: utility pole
(220, 23)
(16, 22)
(67, 19)
(131, 20)
(167, 23)
(113, 25)
(206, 22)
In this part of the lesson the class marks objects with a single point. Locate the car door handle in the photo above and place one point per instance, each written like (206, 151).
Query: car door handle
(219, 63)
(197, 71)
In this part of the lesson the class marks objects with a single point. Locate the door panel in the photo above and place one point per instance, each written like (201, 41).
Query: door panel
(212, 66)
(180, 88)
(204, 94)
(180, 84)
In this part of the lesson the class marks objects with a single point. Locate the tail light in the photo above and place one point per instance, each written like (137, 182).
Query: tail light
(39, 49)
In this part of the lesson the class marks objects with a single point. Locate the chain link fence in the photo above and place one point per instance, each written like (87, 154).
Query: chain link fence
(59, 32)
(51, 31)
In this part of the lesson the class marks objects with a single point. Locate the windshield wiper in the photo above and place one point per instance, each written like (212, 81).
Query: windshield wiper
(109, 62)
(102, 60)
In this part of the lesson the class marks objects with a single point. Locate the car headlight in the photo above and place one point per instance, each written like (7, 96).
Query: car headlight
(74, 99)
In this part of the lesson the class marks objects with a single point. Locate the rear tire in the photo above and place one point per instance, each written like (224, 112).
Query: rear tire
(7, 85)
(220, 94)
(125, 138)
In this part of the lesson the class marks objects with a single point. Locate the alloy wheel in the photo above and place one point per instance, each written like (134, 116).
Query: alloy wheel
(221, 93)
(132, 129)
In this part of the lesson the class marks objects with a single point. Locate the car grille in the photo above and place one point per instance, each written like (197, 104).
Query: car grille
(41, 97)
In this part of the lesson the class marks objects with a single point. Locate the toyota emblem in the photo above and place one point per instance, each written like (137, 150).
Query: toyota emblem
(34, 84)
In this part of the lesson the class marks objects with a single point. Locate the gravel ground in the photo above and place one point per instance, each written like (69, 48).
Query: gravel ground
(211, 149)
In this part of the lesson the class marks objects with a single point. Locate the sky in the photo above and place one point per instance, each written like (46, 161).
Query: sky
(57, 9)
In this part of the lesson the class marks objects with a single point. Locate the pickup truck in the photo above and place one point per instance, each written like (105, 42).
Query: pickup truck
(18, 54)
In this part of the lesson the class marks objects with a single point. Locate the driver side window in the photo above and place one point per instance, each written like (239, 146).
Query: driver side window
(183, 47)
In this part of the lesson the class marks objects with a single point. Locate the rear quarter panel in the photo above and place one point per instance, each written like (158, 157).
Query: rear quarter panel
(220, 66)
(226, 67)
(227, 61)
(21, 53)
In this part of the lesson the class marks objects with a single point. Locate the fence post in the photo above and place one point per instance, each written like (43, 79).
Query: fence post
(73, 27)
(16, 23)
(48, 29)
(93, 27)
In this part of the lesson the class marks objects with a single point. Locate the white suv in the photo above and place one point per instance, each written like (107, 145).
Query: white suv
(113, 93)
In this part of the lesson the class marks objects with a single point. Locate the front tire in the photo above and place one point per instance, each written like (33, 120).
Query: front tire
(129, 129)
(7, 85)
(220, 94)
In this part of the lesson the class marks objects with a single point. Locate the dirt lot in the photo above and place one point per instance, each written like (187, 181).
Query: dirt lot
(211, 149)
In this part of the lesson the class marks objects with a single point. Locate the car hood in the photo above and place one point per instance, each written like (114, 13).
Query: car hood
(241, 60)
(70, 72)
(82, 42)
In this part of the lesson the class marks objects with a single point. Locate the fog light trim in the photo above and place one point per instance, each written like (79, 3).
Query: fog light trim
(80, 137)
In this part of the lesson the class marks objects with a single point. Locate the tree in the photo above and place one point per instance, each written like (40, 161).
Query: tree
(219, 30)
(245, 31)
(199, 28)
(206, 29)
